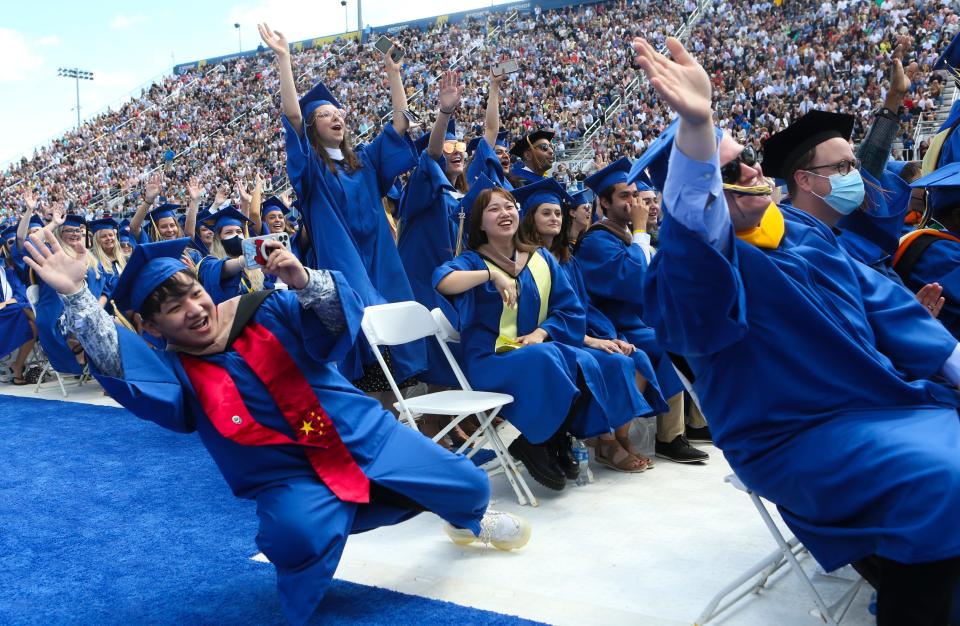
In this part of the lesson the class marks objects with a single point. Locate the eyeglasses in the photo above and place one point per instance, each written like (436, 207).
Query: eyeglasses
(843, 167)
(322, 115)
(546, 146)
(454, 146)
(731, 171)
(71, 231)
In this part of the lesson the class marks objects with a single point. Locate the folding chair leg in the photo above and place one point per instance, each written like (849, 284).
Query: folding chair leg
(825, 613)
(486, 431)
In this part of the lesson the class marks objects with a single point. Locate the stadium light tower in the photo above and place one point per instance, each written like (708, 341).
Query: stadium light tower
(343, 3)
(77, 75)
(239, 45)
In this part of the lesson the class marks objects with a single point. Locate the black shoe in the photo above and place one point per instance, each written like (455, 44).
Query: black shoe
(538, 462)
(680, 451)
(567, 463)
(699, 435)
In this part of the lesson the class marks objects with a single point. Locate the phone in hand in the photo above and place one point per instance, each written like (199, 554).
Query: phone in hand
(507, 67)
(384, 44)
(253, 256)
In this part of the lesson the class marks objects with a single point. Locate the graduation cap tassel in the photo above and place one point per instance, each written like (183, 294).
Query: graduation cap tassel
(120, 316)
(462, 217)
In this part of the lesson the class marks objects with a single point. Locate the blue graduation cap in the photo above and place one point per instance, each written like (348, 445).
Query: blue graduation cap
(126, 236)
(316, 98)
(892, 165)
(583, 197)
(106, 223)
(501, 141)
(617, 172)
(271, 204)
(951, 118)
(8, 233)
(164, 210)
(396, 190)
(230, 216)
(479, 184)
(543, 191)
(943, 187)
(74, 220)
(36, 221)
(949, 58)
(148, 266)
(124, 223)
(655, 159)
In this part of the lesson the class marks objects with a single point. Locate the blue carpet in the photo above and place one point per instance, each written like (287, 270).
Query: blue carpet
(108, 519)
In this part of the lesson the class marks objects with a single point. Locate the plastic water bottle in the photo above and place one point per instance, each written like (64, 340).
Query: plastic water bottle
(582, 455)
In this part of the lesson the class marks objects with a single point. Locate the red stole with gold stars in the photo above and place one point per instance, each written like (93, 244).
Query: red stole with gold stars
(292, 394)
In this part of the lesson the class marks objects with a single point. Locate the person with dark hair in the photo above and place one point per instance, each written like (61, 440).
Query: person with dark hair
(17, 328)
(614, 255)
(627, 372)
(535, 151)
(817, 373)
(519, 323)
(340, 194)
(254, 378)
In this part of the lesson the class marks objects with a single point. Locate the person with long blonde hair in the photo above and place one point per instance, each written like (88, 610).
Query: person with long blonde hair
(223, 273)
(105, 247)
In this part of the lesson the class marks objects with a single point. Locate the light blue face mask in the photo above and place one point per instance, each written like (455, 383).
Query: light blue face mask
(846, 191)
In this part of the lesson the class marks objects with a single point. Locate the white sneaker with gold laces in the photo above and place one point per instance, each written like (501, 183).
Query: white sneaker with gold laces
(504, 531)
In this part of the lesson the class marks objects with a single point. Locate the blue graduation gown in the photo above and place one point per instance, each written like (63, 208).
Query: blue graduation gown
(14, 326)
(210, 272)
(619, 369)
(303, 526)
(816, 371)
(485, 161)
(429, 227)
(348, 231)
(49, 309)
(613, 271)
(542, 378)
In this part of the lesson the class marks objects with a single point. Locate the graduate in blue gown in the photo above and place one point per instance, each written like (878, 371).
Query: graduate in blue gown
(340, 195)
(626, 370)
(535, 153)
(223, 272)
(815, 370)
(255, 378)
(104, 235)
(64, 353)
(17, 330)
(613, 261)
(519, 322)
(489, 154)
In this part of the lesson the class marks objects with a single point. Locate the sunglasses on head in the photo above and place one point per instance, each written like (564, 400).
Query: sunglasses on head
(454, 146)
(731, 171)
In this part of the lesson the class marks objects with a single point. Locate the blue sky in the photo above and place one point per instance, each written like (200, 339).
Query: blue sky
(127, 45)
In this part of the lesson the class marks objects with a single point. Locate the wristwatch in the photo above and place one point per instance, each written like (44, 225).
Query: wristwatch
(887, 113)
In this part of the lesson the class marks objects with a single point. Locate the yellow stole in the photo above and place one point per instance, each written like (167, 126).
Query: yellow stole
(770, 231)
(507, 340)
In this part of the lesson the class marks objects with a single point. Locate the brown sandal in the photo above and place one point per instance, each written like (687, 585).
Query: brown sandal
(605, 455)
(629, 448)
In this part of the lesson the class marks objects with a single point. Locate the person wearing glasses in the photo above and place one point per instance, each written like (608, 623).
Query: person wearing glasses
(816, 372)
(535, 151)
(340, 191)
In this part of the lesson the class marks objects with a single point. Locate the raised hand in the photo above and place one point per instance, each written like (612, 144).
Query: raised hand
(901, 79)
(274, 40)
(152, 189)
(30, 200)
(392, 67)
(55, 267)
(245, 197)
(59, 216)
(451, 89)
(222, 194)
(194, 189)
(682, 83)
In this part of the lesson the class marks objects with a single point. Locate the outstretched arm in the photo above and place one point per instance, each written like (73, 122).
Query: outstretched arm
(150, 192)
(398, 96)
(190, 220)
(30, 204)
(875, 149)
(491, 123)
(288, 87)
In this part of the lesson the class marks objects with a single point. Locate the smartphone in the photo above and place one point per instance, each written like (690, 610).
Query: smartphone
(253, 256)
(507, 67)
(384, 44)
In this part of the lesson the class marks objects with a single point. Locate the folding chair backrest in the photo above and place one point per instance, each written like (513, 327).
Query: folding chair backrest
(33, 296)
(397, 322)
(448, 332)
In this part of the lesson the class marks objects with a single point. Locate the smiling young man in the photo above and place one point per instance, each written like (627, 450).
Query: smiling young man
(815, 370)
(256, 378)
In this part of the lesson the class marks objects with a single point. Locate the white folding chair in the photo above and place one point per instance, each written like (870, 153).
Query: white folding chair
(755, 578)
(402, 322)
(786, 553)
(33, 296)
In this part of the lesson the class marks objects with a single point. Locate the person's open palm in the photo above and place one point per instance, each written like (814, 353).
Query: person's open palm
(55, 267)
(274, 39)
(682, 83)
(450, 91)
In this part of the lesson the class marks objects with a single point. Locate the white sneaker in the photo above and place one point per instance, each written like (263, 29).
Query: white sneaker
(504, 530)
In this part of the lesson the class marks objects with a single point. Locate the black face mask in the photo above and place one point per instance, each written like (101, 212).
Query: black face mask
(233, 245)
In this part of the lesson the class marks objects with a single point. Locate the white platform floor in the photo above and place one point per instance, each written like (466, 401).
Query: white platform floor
(641, 549)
